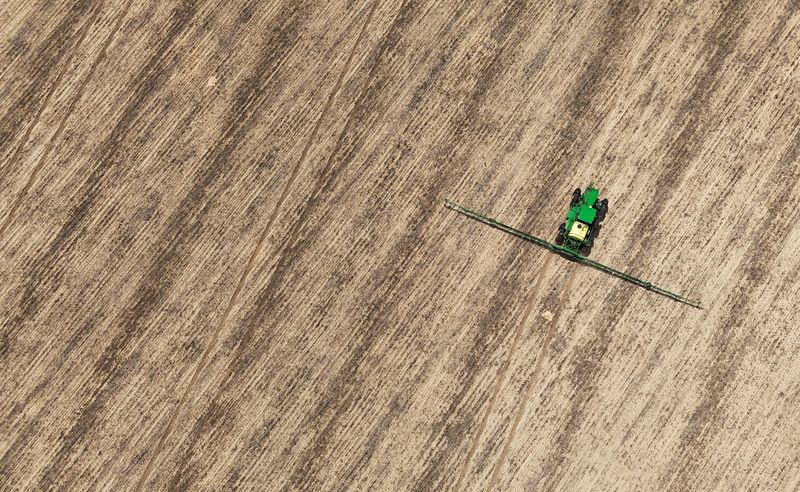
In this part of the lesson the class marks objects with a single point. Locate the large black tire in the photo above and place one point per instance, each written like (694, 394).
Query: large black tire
(602, 209)
(562, 229)
(585, 250)
(595, 232)
(576, 197)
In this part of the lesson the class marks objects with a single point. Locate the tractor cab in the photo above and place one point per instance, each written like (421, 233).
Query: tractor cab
(583, 220)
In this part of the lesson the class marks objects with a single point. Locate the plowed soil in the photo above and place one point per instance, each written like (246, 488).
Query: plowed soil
(225, 260)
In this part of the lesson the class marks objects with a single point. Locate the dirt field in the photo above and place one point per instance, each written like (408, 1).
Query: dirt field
(225, 260)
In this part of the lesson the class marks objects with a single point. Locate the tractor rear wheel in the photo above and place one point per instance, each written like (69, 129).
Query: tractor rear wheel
(562, 230)
(602, 209)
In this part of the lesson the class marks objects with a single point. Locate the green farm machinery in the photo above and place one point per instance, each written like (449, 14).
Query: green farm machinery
(586, 212)
(575, 236)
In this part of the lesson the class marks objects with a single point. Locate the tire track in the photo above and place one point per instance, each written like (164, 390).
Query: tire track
(86, 327)
(502, 33)
(67, 113)
(590, 355)
(730, 26)
(472, 103)
(534, 378)
(43, 272)
(690, 123)
(405, 248)
(502, 377)
(16, 27)
(385, 301)
(200, 367)
(580, 109)
(246, 353)
(585, 372)
(729, 349)
(183, 223)
(587, 86)
(583, 376)
(384, 309)
(354, 416)
(30, 300)
(43, 64)
(448, 434)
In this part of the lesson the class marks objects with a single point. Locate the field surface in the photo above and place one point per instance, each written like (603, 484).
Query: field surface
(225, 260)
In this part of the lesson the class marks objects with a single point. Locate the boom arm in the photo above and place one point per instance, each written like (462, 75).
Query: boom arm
(567, 252)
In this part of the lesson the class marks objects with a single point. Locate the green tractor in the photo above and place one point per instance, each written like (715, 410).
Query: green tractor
(586, 212)
(575, 236)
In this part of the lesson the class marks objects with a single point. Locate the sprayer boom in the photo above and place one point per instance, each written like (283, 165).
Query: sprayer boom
(568, 253)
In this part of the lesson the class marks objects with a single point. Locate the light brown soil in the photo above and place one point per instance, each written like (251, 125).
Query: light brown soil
(224, 259)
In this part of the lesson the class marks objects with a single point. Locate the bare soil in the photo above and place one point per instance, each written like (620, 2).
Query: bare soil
(225, 260)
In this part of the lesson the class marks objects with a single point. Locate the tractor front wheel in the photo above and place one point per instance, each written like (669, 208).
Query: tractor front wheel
(576, 197)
